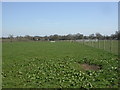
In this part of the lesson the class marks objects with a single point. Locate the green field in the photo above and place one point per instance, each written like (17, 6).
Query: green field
(57, 65)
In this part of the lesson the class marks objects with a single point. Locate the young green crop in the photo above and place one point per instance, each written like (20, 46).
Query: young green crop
(57, 65)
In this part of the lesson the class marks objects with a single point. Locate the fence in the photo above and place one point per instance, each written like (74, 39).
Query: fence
(107, 45)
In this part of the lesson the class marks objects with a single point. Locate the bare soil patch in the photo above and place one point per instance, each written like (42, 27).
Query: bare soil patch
(90, 67)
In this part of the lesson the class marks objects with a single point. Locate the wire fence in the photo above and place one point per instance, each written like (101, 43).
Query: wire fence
(107, 45)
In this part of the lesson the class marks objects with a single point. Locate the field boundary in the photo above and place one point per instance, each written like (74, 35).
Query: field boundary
(106, 45)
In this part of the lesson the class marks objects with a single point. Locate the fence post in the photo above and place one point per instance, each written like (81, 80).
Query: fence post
(104, 45)
(110, 45)
(98, 43)
(83, 41)
(91, 43)
(94, 43)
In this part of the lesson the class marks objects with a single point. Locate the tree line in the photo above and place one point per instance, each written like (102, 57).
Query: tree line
(77, 36)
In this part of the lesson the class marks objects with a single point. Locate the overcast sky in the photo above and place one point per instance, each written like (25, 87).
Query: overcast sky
(46, 18)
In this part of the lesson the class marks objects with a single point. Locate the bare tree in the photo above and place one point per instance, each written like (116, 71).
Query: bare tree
(91, 36)
(99, 36)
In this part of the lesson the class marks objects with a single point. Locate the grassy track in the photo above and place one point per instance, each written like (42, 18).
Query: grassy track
(46, 65)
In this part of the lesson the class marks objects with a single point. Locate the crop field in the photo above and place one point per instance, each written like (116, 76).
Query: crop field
(57, 65)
